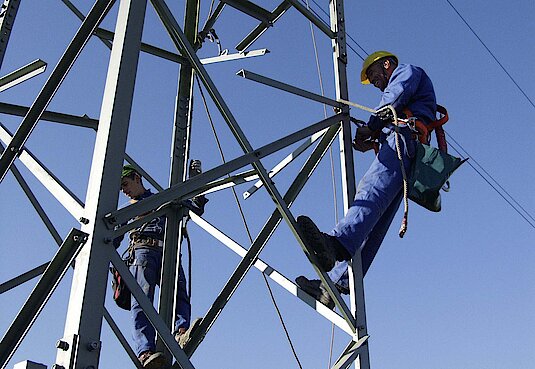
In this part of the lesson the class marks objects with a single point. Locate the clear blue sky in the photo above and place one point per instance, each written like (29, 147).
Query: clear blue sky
(456, 292)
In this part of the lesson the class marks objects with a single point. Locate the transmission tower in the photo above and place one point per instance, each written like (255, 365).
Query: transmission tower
(89, 249)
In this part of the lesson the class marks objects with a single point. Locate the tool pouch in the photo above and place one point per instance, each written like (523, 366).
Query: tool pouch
(430, 170)
(121, 293)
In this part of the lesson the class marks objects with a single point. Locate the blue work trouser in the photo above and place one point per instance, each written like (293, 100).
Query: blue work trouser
(379, 194)
(146, 269)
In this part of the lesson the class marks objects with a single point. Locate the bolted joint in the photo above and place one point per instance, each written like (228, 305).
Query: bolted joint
(83, 220)
(62, 345)
(57, 366)
(93, 345)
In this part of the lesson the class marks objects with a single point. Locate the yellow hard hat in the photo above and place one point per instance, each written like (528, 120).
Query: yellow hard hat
(372, 58)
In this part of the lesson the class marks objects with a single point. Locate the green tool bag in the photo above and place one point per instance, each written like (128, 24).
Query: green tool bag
(430, 171)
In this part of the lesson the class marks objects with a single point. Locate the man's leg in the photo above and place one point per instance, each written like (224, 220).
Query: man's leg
(376, 193)
(183, 307)
(146, 270)
(370, 247)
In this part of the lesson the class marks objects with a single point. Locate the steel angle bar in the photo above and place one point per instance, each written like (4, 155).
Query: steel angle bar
(40, 294)
(350, 353)
(74, 120)
(81, 16)
(66, 197)
(122, 340)
(288, 88)
(194, 186)
(7, 19)
(22, 74)
(149, 49)
(262, 27)
(210, 22)
(261, 240)
(273, 274)
(229, 57)
(23, 278)
(107, 37)
(37, 206)
(231, 181)
(313, 18)
(95, 16)
(182, 42)
(150, 312)
(284, 162)
(250, 9)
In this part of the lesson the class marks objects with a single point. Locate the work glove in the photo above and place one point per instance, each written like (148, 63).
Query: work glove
(363, 140)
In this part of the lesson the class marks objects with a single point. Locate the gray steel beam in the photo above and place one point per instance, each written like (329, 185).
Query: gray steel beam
(284, 162)
(277, 277)
(122, 339)
(22, 74)
(37, 206)
(356, 282)
(351, 352)
(288, 88)
(262, 27)
(23, 278)
(40, 294)
(88, 291)
(209, 24)
(180, 148)
(74, 120)
(8, 13)
(250, 9)
(251, 256)
(194, 186)
(95, 16)
(312, 17)
(65, 196)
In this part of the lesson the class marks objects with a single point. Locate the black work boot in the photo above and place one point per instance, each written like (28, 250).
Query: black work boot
(315, 289)
(326, 248)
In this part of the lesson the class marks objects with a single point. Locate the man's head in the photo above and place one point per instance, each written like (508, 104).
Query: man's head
(377, 69)
(131, 184)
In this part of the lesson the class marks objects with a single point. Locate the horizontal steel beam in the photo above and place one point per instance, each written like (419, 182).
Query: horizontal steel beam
(288, 88)
(193, 186)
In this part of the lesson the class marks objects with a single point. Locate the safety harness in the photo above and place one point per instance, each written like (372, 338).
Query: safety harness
(431, 167)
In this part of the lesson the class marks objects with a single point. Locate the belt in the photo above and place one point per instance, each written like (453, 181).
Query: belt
(139, 241)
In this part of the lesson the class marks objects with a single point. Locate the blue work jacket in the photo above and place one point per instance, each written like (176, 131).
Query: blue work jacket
(408, 87)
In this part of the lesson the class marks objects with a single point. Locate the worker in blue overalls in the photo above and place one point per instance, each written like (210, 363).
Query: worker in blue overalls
(145, 260)
(379, 193)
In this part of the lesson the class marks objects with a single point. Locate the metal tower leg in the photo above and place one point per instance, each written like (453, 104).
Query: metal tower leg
(348, 179)
(85, 312)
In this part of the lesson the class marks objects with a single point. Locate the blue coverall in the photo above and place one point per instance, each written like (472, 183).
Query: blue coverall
(146, 268)
(379, 193)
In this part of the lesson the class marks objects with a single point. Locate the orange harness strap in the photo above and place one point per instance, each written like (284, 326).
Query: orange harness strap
(424, 130)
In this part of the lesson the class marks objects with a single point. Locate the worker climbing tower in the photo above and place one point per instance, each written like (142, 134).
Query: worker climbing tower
(89, 249)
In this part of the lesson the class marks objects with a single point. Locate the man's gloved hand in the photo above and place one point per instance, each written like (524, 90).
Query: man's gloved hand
(363, 139)
(194, 168)
(385, 114)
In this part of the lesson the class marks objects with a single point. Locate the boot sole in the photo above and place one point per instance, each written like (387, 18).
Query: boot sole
(314, 239)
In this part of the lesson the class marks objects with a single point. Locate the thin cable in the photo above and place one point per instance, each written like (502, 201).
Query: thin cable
(512, 202)
(246, 225)
(347, 34)
(492, 54)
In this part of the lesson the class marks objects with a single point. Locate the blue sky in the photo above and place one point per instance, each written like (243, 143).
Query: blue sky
(457, 291)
